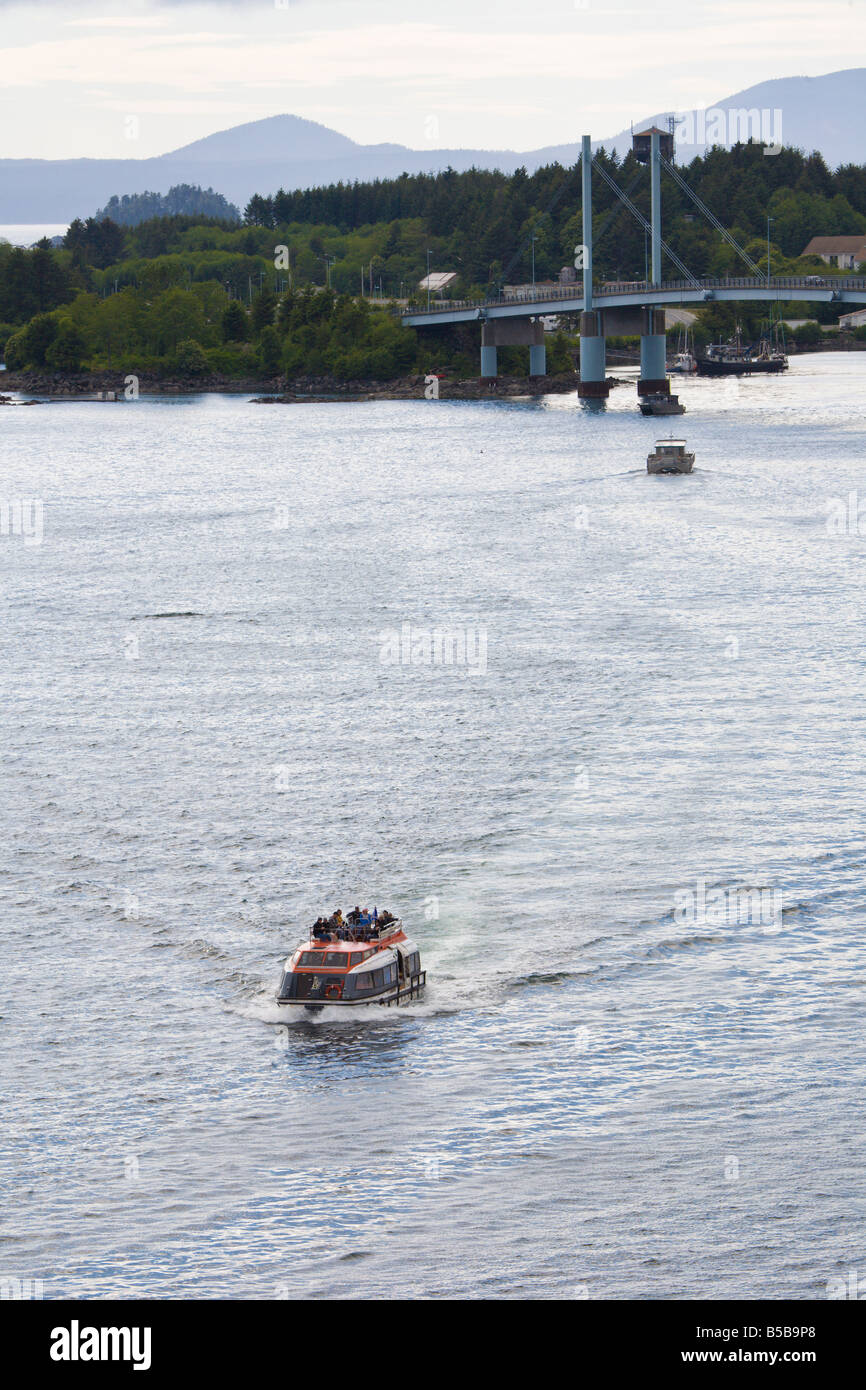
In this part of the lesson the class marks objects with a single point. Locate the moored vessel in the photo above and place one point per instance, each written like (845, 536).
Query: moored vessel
(736, 359)
(366, 959)
(659, 403)
(683, 362)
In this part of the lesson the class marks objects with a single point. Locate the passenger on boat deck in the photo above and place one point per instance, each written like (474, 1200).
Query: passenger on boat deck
(320, 927)
(354, 916)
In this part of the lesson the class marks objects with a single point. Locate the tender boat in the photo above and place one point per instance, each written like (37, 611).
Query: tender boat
(364, 964)
(670, 456)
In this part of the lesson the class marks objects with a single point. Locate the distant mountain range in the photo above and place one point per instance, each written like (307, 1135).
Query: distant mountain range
(817, 113)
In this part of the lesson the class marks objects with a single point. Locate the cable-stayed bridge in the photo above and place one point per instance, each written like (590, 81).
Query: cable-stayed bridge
(633, 307)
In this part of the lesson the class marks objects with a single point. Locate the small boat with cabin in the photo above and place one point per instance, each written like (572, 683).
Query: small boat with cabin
(366, 959)
(670, 456)
(659, 403)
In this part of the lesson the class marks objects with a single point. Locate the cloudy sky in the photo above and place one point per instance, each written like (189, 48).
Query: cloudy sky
(133, 78)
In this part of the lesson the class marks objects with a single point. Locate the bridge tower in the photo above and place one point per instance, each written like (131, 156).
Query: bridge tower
(593, 371)
(647, 146)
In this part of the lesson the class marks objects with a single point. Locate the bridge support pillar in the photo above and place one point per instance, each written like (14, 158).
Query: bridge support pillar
(517, 332)
(593, 371)
(488, 360)
(653, 350)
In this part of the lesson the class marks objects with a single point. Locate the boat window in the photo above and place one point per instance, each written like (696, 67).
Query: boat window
(364, 982)
(311, 958)
(338, 960)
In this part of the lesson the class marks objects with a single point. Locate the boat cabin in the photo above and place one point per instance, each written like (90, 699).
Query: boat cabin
(670, 456)
(353, 972)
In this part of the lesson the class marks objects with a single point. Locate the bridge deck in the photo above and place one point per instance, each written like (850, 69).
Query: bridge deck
(568, 299)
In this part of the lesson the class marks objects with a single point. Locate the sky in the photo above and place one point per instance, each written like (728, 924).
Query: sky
(135, 78)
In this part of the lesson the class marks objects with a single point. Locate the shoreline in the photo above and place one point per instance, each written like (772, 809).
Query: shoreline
(109, 387)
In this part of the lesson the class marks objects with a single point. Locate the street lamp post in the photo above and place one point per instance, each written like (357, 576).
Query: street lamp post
(428, 279)
(769, 220)
(534, 240)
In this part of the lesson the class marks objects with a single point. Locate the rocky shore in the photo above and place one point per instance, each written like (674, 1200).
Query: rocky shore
(71, 386)
(416, 388)
(58, 386)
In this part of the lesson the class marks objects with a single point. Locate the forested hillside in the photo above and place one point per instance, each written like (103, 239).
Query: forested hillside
(303, 286)
(480, 221)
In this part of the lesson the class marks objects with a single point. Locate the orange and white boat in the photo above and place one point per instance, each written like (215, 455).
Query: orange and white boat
(366, 964)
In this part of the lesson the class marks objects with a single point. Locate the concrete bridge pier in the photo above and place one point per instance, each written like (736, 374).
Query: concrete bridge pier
(488, 357)
(593, 370)
(653, 351)
(513, 333)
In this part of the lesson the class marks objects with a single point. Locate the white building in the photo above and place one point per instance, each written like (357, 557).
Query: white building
(437, 281)
(846, 252)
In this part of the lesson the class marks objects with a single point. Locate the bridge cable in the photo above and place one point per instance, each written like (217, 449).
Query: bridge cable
(684, 271)
(612, 211)
(674, 172)
(566, 183)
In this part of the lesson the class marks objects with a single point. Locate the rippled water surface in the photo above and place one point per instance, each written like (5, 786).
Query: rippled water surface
(604, 1093)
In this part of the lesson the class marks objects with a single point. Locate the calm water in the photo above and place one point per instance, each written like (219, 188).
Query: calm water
(603, 1094)
(28, 233)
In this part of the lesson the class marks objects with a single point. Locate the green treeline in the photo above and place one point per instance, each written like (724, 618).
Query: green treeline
(480, 223)
(302, 287)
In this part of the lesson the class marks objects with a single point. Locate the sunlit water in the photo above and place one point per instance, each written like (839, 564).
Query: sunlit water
(28, 233)
(600, 1096)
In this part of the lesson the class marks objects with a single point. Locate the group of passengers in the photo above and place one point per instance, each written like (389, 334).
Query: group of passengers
(359, 925)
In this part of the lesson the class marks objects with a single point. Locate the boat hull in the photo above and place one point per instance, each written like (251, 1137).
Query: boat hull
(403, 993)
(682, 465)
(709, 366)
(666, 405)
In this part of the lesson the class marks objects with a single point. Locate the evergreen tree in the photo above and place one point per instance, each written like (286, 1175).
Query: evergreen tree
(234, 323)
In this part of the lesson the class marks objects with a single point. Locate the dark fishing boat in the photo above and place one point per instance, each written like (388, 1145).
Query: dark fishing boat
(735, 358)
